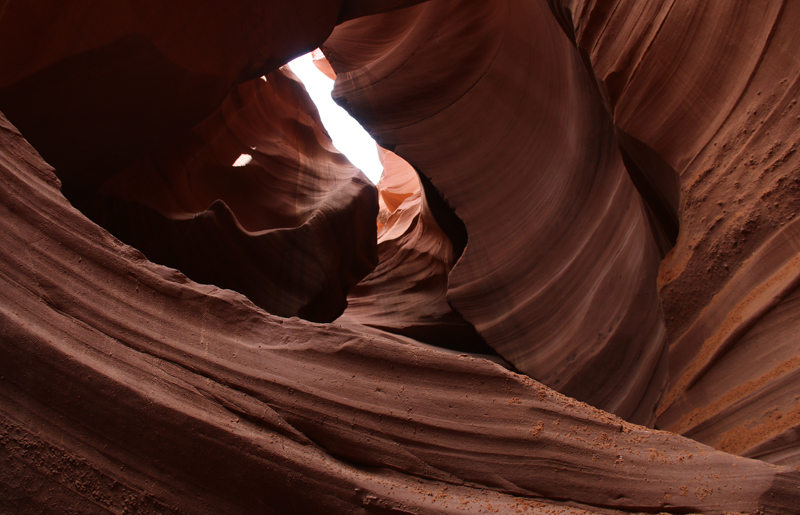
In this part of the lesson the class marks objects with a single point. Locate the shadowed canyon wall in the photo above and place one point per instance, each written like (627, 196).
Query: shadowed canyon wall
(583, 278)
(292, 190)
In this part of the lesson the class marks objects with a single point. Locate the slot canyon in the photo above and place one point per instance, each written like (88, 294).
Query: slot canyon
(575, 289)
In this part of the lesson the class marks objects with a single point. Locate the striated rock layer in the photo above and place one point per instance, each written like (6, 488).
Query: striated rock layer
(127, 387)
(559, 272)
(564, 149)
(705, 96)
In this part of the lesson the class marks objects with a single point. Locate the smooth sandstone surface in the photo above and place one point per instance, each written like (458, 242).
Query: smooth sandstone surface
(600, 199)
(713, 129)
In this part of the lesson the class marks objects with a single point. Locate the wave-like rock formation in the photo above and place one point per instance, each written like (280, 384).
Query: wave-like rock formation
(601, 193)
(126, 386)
(711, 150)
(140, 88)
(559, 274)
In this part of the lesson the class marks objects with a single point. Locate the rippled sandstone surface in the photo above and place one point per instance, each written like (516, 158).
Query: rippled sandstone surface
(598, 197)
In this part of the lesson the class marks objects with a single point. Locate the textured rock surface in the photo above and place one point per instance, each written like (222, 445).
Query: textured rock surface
(565, 149)
(559, 272)
(125, 384)
(721, 115)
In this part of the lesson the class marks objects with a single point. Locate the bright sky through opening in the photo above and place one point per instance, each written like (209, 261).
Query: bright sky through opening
(347, 135)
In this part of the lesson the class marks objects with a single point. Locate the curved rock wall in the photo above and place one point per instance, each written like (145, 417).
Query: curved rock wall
(95, 87)
(558, 275)
(559, 162)
(126, 386)
(712, 88)
(153, 88)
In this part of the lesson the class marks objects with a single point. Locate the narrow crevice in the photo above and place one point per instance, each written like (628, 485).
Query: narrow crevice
(445, 216)
(658, 185)
(468, 338)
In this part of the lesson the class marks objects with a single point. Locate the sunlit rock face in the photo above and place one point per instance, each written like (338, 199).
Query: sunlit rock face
(406, 293)
(604, 215)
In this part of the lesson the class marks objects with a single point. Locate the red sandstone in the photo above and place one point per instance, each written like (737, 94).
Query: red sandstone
(593, 225)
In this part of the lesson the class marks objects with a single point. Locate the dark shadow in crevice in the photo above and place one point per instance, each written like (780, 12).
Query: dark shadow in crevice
(444, 215)
(282, 271)
(658, 184)
(470, 339)
(405, 298)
